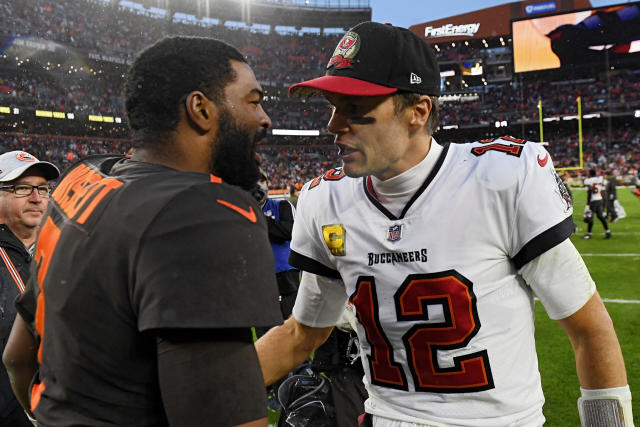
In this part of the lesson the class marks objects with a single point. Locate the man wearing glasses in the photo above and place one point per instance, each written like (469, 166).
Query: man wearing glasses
(24, 196)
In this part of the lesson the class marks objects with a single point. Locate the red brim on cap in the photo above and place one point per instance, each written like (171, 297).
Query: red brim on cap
(339, 84)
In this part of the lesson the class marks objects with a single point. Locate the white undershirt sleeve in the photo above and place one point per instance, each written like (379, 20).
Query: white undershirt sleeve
(320, 301)
(560, 278)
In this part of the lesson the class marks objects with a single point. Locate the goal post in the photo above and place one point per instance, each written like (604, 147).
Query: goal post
(581, 161)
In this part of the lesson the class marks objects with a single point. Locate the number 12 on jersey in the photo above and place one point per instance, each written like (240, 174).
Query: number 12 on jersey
(454, 293)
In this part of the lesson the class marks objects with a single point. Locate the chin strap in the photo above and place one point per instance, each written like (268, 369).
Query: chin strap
(606, 407)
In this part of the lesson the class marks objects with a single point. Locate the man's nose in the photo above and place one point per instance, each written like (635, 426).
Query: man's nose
(265, 120)
(337, 123)
(35, 195)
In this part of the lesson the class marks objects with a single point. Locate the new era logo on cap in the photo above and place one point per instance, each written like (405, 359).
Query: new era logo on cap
(414, 79)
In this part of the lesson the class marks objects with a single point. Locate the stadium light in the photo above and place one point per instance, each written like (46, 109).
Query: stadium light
(636, 114)
(16, 111)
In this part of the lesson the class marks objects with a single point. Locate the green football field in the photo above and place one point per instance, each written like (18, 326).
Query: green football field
(615, 266)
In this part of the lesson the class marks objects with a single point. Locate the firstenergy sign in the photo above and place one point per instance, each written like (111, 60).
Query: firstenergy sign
(450, 30)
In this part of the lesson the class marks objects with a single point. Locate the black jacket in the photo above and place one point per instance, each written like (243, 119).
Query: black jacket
(21, 260)
(610, 189)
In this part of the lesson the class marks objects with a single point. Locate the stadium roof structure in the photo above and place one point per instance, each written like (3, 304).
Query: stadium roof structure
(317, 14)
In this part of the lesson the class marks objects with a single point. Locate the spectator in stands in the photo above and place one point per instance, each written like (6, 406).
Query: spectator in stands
(24, 196)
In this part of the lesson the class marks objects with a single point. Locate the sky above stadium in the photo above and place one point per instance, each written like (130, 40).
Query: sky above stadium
(405, 13)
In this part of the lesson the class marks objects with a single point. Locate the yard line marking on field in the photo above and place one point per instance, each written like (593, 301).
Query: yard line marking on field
(614, 300)
(638, 255)
(621, 301)
(615, 233)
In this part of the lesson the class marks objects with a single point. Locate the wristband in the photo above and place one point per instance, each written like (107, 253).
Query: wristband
(606, 407)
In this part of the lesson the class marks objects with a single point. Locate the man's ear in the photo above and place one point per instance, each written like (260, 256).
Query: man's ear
(202, 113)
(420, 112)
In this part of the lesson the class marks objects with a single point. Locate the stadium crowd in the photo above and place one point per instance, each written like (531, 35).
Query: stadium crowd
(58, 91)
(100, 29)
(295, 160)
(106, 30)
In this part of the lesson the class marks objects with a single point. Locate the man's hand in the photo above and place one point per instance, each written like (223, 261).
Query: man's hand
(286, 346)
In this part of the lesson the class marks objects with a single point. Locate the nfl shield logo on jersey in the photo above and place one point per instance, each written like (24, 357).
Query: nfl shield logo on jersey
(395, 232)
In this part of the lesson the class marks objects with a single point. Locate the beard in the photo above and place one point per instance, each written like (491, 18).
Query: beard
(233, 154)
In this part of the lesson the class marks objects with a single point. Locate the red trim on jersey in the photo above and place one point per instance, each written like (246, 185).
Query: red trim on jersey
(215, 179)
(371, 189)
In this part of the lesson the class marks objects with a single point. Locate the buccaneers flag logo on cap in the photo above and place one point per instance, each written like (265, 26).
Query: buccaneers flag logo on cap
(345, 51)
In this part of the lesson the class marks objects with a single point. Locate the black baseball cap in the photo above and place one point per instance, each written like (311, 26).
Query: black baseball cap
(377, 59)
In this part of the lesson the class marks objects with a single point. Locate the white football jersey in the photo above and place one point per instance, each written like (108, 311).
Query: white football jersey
(597, 186)
(444, 320)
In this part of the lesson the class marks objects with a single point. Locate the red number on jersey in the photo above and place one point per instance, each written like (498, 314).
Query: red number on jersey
(331, 175)
(597, 189)
(512, 139)
(512, 150)
(384, 370)
(454, 293)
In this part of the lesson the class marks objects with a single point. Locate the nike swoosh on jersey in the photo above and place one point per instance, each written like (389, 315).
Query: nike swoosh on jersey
(542, 162)
(249, 214)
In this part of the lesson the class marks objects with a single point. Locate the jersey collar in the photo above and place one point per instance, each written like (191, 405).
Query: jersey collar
(369, 191)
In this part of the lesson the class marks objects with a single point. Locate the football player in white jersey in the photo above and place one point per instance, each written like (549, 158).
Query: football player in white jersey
(440, 249)
(596, 187)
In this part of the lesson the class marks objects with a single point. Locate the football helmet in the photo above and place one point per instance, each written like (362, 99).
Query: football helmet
(306, 400)
(588, 216)
(260, 193)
